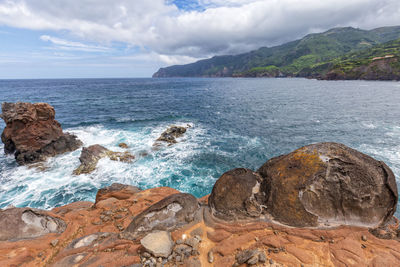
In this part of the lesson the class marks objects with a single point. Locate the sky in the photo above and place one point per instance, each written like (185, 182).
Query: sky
(134, 38)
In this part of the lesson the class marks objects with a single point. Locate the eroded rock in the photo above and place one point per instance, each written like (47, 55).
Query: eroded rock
(91, 155)
(329, 184)
(116, 190)
(26, 223)
(171, 134)
(33, 134)
(236, 195)
(168, 214)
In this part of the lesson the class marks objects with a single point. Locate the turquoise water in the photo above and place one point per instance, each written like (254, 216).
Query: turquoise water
(235, 123)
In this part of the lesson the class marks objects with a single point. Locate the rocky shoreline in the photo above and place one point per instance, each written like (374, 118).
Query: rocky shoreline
(324, 204)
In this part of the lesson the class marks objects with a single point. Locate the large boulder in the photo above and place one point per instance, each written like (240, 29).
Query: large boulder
(33, 134)
(327, 184)
(236, 195)
(26, 223)
(168, 214)
(91, 155)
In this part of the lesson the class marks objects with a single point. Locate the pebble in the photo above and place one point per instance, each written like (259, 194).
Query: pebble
(262, 257)
(253, 260)
(363, 246)
(271, 261)
(322, 238)
(364, 238)
(210, 257)
(54, 242)
(146, 255)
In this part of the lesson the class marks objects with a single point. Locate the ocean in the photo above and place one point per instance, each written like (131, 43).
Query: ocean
(235, 123)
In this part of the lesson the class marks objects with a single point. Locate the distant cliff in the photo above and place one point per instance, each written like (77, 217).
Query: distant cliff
(313, 56)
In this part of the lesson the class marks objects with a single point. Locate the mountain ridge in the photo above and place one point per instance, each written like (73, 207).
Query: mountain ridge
(288, 59)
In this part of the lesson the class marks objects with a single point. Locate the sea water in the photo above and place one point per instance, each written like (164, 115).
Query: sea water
(234, 123)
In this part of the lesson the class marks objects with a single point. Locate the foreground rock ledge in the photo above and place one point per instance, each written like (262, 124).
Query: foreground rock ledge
(33, 134)
(242, 223)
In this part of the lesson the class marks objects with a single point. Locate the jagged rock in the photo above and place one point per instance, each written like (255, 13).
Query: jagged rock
(32, 133)
(159, 244)
(329, 184)
(116, 190)
(168, 214)
(236, 194)
(123, 145)
(91, 155)
(171, 134)
(26, 223)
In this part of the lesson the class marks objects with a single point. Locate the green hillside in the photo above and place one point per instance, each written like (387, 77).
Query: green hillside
(290, 59)
(380, 62)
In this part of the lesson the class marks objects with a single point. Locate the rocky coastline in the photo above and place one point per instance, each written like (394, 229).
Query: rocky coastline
(324, 204)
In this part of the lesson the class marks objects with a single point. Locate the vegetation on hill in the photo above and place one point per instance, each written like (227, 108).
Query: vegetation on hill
(307, 57)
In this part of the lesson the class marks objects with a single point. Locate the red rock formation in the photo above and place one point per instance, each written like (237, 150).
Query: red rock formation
(33, 134)
(91, 238)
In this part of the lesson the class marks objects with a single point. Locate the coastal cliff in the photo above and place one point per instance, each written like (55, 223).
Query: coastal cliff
(339, 53)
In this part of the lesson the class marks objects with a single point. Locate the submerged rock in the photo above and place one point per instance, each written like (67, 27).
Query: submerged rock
(91, 155)
(168, 214)
(236, 195)
(26, 223)
(33, 134)
(329, 184)
(171, 134)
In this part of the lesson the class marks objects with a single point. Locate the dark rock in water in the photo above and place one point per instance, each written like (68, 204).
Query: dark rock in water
(33, 134)
(171, 134)
(168, 214)
(329, 183)
(236, 195)
(26, 223)
(123, 145)
(116, 190)
(92, 154)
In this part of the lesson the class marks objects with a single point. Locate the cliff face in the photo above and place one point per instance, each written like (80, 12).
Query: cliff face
(321, 205)
(379, 69)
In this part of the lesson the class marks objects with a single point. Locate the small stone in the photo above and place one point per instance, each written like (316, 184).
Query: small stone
(118, 216)
(332, 241)
(256, 239)
(364, 238)
(146, 254)
(210, 257)
(262, 257)
(158, 243)
(159, 259)
(271, 261)
(198, 238)
(275, 232)
(198, 231)
(363, 246)
(235, 264)
(253, 260)
(193, 242)
(322, 238)
(179, 241)
(178, 258)
(54, 242)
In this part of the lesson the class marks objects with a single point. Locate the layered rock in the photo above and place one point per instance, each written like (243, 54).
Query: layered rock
(329, 184)
(33, 134)
(91, 155)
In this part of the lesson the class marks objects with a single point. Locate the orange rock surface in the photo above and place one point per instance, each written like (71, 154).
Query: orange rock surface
(92, 239)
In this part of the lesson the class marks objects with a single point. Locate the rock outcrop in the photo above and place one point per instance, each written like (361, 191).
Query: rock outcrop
(244, 222)
(236, 195)
(166, 215)
(33, 134)
(169, 136)
(329, 184)
(26, 223)
(91, 155)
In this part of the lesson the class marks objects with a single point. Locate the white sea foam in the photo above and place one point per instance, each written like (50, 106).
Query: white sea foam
(21, 186)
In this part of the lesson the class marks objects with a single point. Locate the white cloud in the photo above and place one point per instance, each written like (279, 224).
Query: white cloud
(69, 45)
(226, 26)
